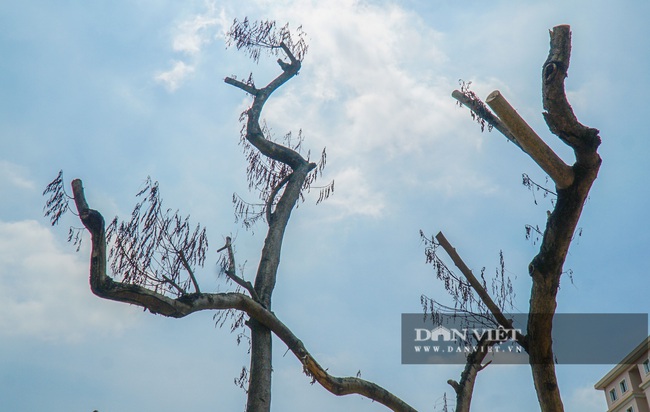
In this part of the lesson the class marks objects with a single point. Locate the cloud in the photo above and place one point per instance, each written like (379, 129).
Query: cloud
(199, 30)
(373, 90)
(355, 196)
(44, 289)
(173, 78)
(14, 176)
(190, 36)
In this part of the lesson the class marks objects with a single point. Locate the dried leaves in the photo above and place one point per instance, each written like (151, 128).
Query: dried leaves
(156, 249)
(535, 187)
(268, 177)
(256, 37)
(270, 166)
(461, 292)
(58, 202)
(459, 289)
(480, 113)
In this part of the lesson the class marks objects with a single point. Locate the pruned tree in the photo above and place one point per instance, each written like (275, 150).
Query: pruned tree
(572, 183)
(154, 256)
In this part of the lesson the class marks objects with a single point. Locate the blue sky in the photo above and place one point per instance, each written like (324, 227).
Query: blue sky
(113, 92)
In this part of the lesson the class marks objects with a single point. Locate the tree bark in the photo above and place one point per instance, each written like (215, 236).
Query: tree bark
(465, 388)
(546, 268)
(103, 286)
(573, 189)
(259, 388)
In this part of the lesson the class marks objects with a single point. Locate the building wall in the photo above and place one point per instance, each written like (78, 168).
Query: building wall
(637, 382)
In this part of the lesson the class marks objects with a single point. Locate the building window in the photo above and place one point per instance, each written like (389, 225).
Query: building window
(646, 366)
(612, 395)
(623, 386)
(630, 409)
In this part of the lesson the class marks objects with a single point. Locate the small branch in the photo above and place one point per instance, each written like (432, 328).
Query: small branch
(454, 385)
(481, 111)
(527, 181)
(187, 267)
(180, 290)
(530, 142)
(241, 85)
(476, 285)
(231, 271)
(290, 55)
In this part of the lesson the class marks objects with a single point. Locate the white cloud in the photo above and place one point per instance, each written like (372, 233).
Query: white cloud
(15, 176)
(173, 78)
(373, 91)
(190, 36)
(354, 195)
(45, 292)
(193, 33)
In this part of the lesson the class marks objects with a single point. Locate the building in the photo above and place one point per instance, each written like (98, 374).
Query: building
(627, 386)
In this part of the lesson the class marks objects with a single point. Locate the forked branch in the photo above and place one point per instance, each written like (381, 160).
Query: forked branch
(103, 286)
(473, 366)
(254, 132)
(231, 272)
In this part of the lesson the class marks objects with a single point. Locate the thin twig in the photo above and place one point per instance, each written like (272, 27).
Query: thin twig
(231, 272)
(186, 264)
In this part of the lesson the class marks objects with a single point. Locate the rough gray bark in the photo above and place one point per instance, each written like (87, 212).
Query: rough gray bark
(259, 388)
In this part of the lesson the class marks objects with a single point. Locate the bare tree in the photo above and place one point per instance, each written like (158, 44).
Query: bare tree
(153, 257)
(573, 184)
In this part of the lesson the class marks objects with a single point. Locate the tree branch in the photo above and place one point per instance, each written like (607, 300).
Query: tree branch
(187, 267)
(272, 195)
(231, 272)
(105, 287)
(474, 365)
(546, 267)
(559, 115)
(253, 130)
(241, 85)
(259, 393)
(290, 55)
(530, 142)
(476, 285)
(481, 111)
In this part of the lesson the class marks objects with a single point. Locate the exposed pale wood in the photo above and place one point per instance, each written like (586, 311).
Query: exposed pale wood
(486, 115)
(530, 142)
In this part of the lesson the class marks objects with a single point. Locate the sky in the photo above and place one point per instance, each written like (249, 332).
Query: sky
(113, 92)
